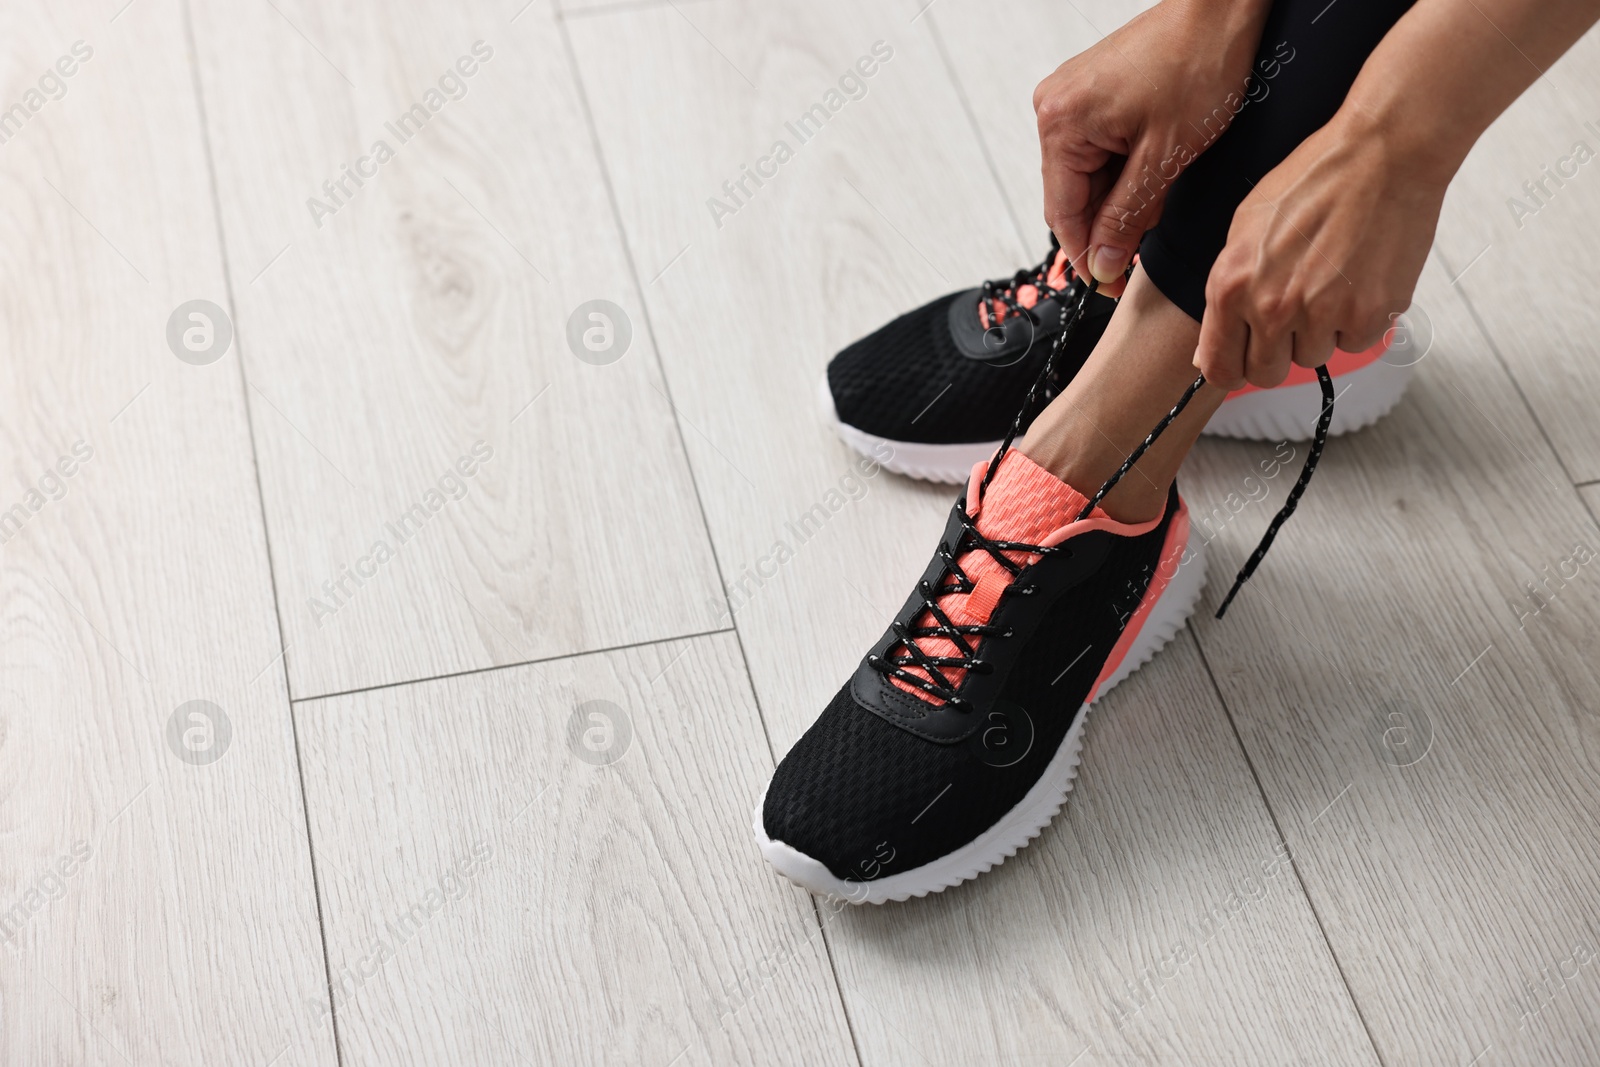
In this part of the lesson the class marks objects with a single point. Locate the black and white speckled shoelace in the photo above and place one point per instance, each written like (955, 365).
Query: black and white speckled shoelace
(1070, 318)
(1003, 291)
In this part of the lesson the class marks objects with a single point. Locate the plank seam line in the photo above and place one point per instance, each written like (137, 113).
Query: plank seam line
(650, 329)
(1277, 828)
(1505, 368)
(661, 369)
(492, 668)
(261, 503)
(977, 128)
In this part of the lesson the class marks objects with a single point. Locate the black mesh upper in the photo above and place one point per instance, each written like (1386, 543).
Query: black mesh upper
(850, 791)
(884, 381)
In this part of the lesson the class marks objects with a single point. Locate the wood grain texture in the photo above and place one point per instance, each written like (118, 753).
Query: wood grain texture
(1412, 673)
(151, 910)
(614, 913)
(890, 205)
(823, 252)
(1526, 255)
(430, 312)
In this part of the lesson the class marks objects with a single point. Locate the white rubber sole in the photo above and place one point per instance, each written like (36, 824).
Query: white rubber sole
(1288, 413)
(932, 463)
(1033, 812)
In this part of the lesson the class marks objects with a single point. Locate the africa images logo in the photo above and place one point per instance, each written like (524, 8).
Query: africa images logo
(199, 732)
(52, 85)
(343, 187)
(451, 486)
(852, 85)
(599, 732)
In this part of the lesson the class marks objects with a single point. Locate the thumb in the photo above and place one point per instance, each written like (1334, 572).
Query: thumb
(1131, 207)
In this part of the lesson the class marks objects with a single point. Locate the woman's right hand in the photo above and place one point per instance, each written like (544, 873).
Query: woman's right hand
(1120, 121)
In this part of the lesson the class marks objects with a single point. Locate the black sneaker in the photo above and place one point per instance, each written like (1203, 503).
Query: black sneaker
(939, 385)
(936, 389)
(956, 740)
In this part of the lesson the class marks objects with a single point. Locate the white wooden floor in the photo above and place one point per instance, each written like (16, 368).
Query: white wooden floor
(491, 675)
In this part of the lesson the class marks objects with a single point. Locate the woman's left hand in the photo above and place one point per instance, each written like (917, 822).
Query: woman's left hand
(1322, 254)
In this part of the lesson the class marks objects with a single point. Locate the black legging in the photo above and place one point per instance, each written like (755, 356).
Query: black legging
(1311, 52)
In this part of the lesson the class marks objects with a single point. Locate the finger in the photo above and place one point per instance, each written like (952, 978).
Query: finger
(1361, 338)
(1114, 289)
(1313, 345)
(1224, 336)
(1268, 355)
(1066, 208)
(1100, 183)
(1128, 210)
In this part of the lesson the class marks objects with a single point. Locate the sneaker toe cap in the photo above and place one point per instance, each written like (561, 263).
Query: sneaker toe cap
(848, 796)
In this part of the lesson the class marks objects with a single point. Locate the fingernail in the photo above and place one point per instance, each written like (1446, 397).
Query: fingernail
(1107, 263)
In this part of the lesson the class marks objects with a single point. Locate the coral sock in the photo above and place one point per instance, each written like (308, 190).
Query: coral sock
(1024, 503)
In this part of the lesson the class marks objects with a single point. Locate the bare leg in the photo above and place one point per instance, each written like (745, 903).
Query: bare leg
(1136, 374)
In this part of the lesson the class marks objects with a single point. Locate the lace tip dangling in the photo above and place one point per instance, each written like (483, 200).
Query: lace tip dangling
(1318, 440)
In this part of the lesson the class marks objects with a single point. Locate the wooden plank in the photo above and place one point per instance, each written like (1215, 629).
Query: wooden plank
(1523, 254)
(502, 893)
(427, 315)
(157, 902)
(889, 205)
(823, 252)
(1412, 673)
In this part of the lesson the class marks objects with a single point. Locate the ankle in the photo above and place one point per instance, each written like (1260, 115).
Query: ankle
(1136, 373)
(1134, 500)
(1138, 497)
